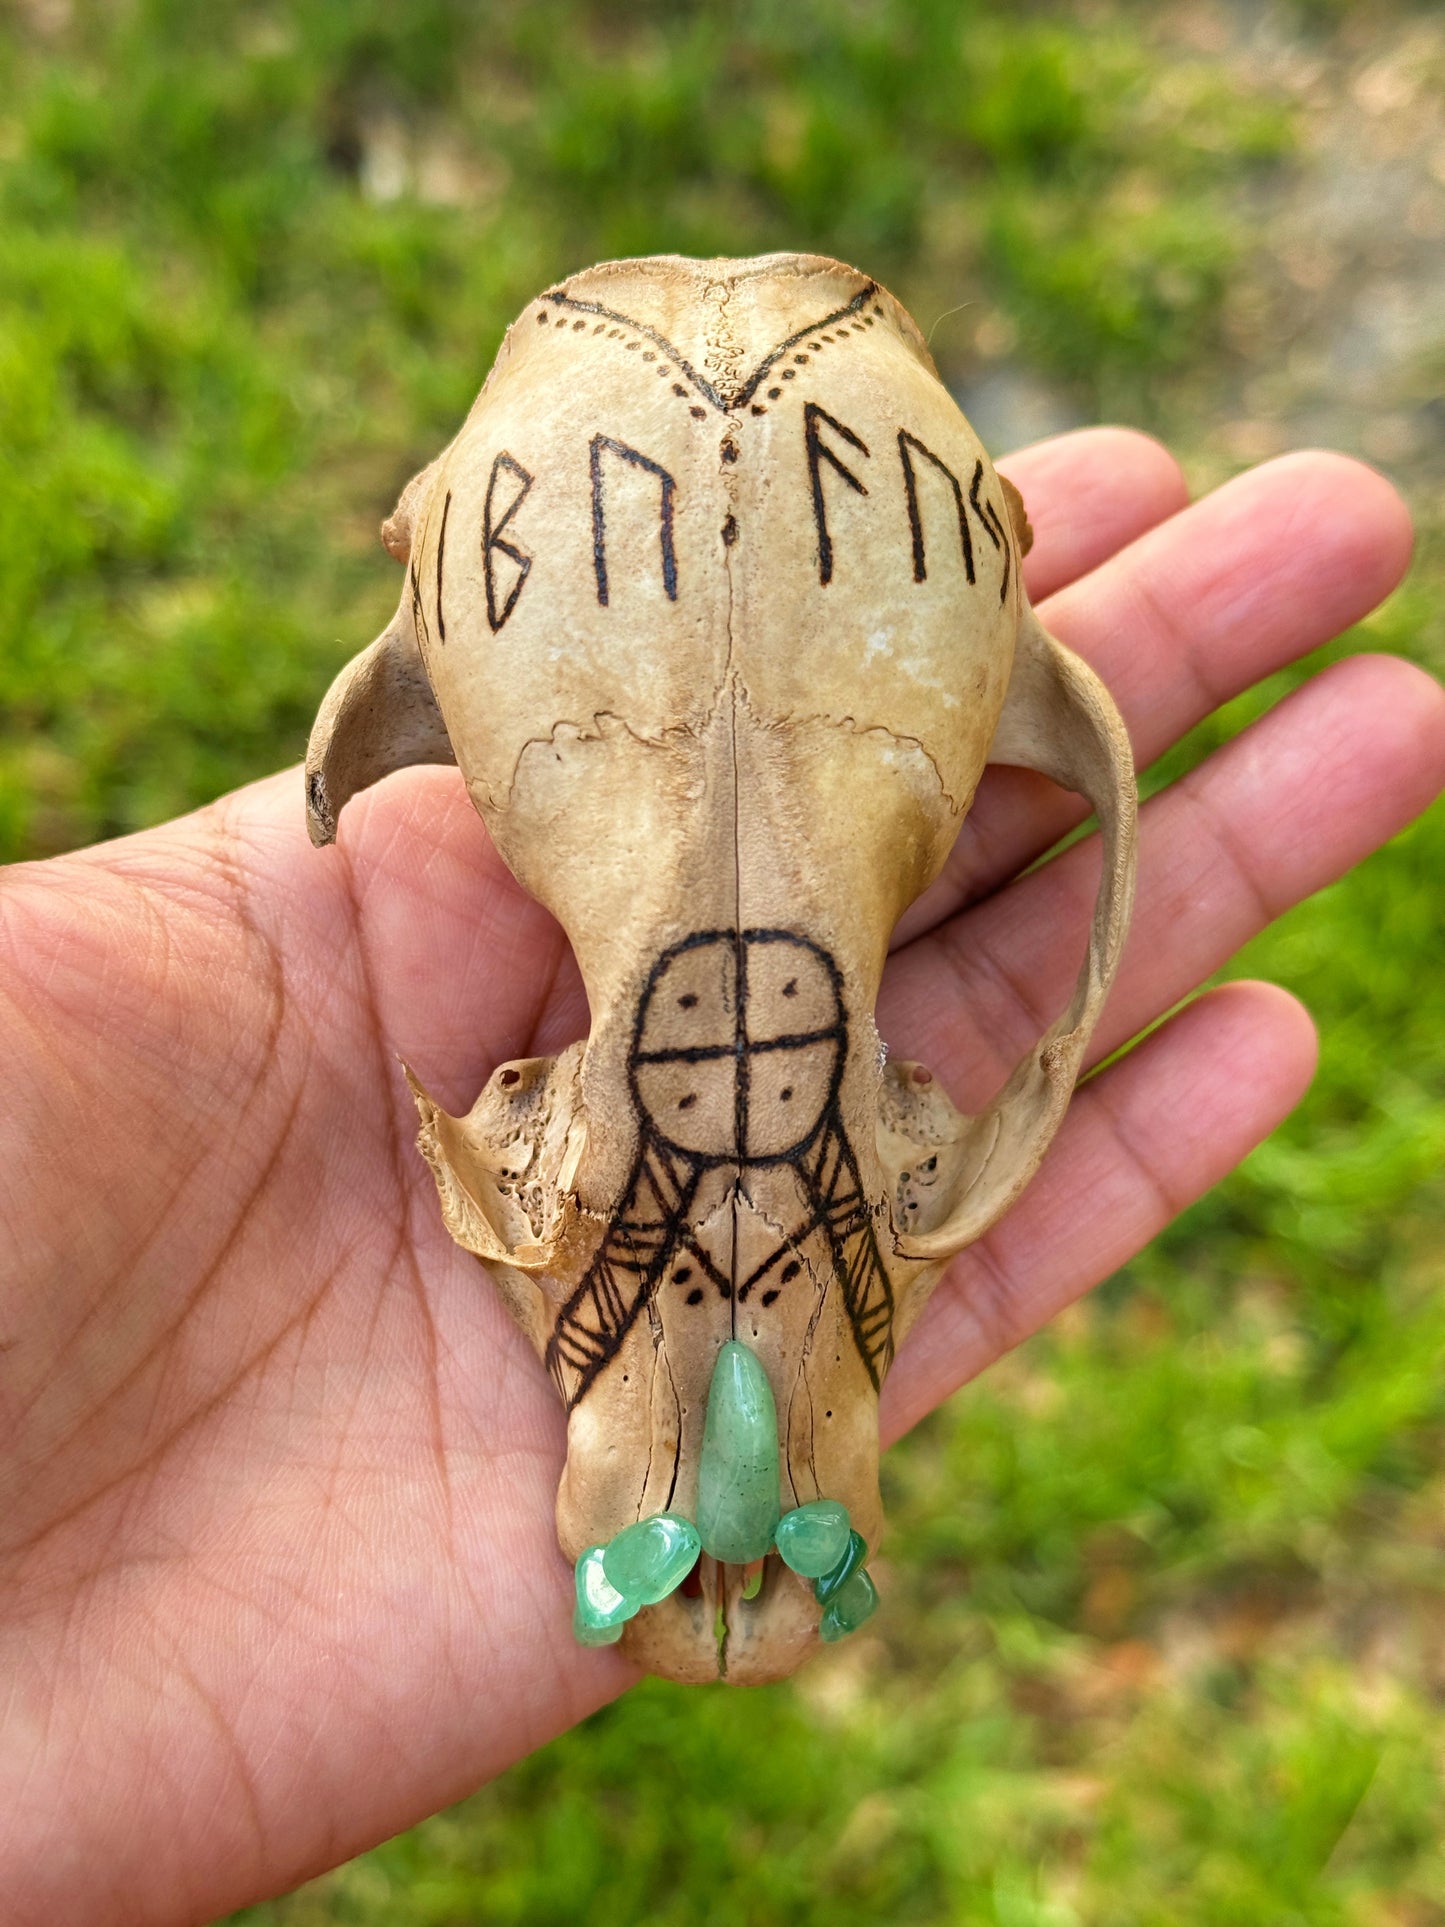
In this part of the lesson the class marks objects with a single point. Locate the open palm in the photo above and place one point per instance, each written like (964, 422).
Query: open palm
(277, 1568)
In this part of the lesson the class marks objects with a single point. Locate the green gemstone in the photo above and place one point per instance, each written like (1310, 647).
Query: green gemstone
(601, 1611)
(586, 1635)
(737, 1480)
(647, 1561)
(855, 1600)
(832, 1582)
(813, 1538)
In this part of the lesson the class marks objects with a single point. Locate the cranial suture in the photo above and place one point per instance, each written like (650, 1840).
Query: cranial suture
(716, 601)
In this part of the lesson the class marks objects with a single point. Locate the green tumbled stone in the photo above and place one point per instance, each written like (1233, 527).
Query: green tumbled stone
(813, 1538)
(601, 1611)
(834, 1581)
(855, 1601)
(737, 1479)
(647, 1561)
(595, 1635)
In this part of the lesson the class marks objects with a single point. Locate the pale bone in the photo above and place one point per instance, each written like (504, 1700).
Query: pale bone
(723, 707)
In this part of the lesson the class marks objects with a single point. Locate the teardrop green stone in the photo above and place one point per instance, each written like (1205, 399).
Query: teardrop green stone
(601, 1611)
(737, 1481)
(647, 1561)
(812, 1538)
(834, 1581)
(854, 1601)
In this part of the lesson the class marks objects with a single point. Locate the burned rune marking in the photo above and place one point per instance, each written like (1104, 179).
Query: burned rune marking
(441, 551)
(736, 1066)
(853, 315)
(493, 541)
(818, 451)
(993, 528)
(907, 443)
(668, 487)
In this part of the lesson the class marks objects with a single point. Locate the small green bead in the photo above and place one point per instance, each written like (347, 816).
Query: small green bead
(855, 1601)
(647, 1561)
(601, 1611)
(586, 1635)
(832, 1582)
(812, 1539)
(737, 1478)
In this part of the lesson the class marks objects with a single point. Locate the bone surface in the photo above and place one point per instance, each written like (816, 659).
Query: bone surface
(716, 601)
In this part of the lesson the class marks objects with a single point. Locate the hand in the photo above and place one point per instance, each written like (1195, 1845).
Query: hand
(277, 1567)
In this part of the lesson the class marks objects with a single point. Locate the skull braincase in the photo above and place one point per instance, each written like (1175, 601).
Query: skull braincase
(716, 600)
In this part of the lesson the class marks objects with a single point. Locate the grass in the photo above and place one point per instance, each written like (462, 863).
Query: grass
(1162, 1641)
(253, 267)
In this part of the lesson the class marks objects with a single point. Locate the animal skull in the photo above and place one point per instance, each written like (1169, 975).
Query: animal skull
(716, 601)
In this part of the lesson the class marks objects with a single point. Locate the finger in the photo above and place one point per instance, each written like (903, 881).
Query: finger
(1087, 495)
(1265, 569)
(467, 969)
(1274, 815)
(418, 877)
(411, 912)
(1141, 1141)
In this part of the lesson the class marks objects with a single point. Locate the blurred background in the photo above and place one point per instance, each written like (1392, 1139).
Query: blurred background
(1165, 1631)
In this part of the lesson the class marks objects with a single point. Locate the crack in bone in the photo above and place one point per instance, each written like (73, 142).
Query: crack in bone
(582, 734)
(856, 728)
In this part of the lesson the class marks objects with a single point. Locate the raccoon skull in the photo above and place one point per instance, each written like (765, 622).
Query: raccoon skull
(716, 601)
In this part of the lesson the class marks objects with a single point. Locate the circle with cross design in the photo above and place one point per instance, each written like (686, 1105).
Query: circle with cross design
(739, 1047)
